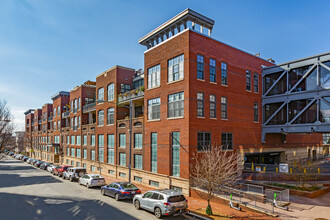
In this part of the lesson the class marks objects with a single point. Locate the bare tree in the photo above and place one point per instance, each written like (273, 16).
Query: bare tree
(6, 126)
(212, 169)
(302, 172)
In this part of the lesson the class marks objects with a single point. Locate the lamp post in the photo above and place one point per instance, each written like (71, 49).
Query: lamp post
(130, 135)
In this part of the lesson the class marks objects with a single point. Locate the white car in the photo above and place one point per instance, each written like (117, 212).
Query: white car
(91, 180)
(51, 168)
(74, 173)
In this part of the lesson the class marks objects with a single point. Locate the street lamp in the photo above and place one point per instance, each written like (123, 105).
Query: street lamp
(130, 135)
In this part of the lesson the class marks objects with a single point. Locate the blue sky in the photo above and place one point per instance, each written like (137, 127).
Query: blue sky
(49, 46)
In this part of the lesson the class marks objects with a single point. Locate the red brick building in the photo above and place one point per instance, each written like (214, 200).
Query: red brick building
(195, 91)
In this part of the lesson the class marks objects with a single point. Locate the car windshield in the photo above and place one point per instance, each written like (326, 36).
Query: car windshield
(65, 168)
(97, 177)
(128, 186)
(179, 198)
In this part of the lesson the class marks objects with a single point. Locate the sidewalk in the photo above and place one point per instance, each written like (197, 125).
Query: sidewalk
(197, 203)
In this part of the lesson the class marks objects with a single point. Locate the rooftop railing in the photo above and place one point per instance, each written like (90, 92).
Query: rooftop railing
(133, 94)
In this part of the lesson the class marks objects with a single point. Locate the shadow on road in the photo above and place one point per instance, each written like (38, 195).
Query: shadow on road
(15, 206)
(12, 180)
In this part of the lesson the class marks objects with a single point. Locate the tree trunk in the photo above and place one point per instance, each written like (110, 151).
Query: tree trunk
(208, 209)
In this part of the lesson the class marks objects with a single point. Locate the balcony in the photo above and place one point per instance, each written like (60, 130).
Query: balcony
(89, 107)
(50, 118)
(65, 114)
(131, 95)
(40, 121)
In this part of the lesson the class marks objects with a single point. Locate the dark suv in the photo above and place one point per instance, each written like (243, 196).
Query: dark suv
(60, 169)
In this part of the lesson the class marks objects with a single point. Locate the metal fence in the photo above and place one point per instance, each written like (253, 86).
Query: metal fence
(282, 196)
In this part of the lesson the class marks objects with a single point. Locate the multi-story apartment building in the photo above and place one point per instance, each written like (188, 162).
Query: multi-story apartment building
(29, 127)
(144, 126)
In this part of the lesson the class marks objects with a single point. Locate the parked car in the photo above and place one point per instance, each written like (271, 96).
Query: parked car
(120, 190)
(74, 173)
(91, 180)
(51, 168)
(45, 165)
(34, 161)
(11, 153)
(38, 163)
(60, 169)
(162, 202)
(29, 160)
(25, 158)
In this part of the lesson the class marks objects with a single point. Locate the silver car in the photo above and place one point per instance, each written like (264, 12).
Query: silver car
(51, 168)
(162, 202)
(74, 173)
(91, 180)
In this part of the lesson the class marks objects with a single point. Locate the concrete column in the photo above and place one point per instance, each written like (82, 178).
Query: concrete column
(193, 25)
(209, 32)
(201, 28)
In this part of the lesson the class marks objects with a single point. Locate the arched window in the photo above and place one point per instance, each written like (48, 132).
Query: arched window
(100, 94)
(111, 91)
(100, 118)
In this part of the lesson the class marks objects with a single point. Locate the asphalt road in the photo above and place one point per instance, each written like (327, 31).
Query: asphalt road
(30, 193)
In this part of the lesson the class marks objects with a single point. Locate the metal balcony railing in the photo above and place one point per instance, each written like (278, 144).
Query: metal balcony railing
(65, 114)
(133, 94)
(89, 107)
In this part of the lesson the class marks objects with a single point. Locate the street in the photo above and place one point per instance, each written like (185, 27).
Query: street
(30, 193)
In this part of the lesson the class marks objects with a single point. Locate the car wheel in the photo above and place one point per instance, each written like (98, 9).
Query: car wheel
(88, 186)
(63, 177)
(71, 179)
(116, 197)
(137, 204)
(102, 192)
(158, 213)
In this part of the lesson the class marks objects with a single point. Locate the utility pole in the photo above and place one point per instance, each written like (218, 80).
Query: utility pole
(130, 142)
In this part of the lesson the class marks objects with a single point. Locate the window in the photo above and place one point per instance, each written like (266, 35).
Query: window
(78, 152)
(176, 153)
(92, 168)
(84, 165)
(200, 104)
(122, 159)
(68, 139)
(227, 141)
(71, 107)
(138, 179)
(111, 91)
(100, 94)
(154, 152)
(255, 82)
(213, 73)
(138, 141)
(175, 68)
(85, 153)
(75, 123)
(138, 161)
(54, 112)
(111, 116)
(72, 123)
(92, 154)
(75, 106)
(256, 112)
(203, 141)
(59, 125)
(223, 73)
(68, 151)
(111, 151)
(54, 125)
(73, 151)
(58, 111)
(79, 121)
(154, 76)
(248, 80)
(122, 174)
(79, 102)
(85, 140)
(200, 67)
(78, 140)
(78, 164)
(93, 139)
(175, 105)
(73, 138)
(154, 108)
(111, 172)
(153, 183)
(213, 106)
(122, 140)
(67, 161)
(100, 118)
(101, 147)
(223, 107)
